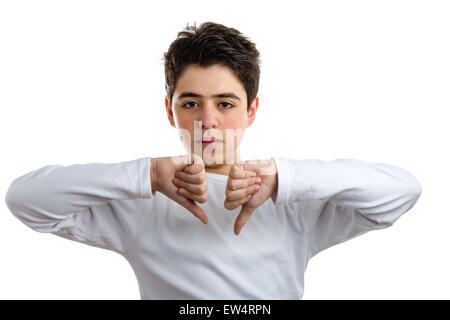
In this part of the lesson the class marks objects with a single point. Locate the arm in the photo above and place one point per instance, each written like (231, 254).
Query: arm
(343, 198)
(76, 202)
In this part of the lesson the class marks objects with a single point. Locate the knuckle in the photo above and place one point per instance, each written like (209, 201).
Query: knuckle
(179, 175)
(234, 171)
(233, 185)
(195, 168)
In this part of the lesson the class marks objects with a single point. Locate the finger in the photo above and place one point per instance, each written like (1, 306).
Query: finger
(242, 219)
(198, 189)
(194, 168)
(199, 198)
(241, 193)
(237, 172)
(195, 158)
(197, 178)
(261, 167)
(195, 165)
(231, 205)
(194, 208)
(236, 184)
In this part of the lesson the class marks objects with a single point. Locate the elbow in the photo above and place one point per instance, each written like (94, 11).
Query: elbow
(413, 191)
(11, 199)
(417, 191)
(395, 205)
(28, 202)
(16, 202)
(397, 199)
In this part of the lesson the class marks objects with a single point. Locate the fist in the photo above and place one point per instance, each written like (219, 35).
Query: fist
(192, 182)
(182, 179)
(249, 185)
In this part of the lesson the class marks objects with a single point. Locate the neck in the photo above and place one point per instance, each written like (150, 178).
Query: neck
(223, 169)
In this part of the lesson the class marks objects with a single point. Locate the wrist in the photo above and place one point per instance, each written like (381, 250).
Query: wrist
(154, 175)
(275, 189)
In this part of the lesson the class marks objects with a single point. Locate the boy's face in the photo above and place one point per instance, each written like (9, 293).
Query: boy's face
(197, 109)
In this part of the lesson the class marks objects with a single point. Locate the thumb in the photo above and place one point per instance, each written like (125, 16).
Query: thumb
(193, 207)
(182, 162)
(195, 165)
(261, 167)
(242, 218)
(196, 159)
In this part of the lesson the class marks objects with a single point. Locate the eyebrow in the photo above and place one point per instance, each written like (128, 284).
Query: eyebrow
(221, 95)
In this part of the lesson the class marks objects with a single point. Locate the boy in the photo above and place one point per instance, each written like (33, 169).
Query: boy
(291, 209)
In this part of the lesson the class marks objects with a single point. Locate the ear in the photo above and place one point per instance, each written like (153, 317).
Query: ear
(252, 111)
(169, 113)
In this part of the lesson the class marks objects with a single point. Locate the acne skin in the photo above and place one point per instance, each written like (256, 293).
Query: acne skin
(213, 102)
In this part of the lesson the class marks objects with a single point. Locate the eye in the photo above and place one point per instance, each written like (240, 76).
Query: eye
(229, 104)
(184, 105)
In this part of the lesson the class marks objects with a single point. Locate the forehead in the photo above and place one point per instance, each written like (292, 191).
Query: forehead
(209, 80)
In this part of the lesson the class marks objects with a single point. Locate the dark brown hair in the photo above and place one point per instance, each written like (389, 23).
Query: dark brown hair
(212, 43)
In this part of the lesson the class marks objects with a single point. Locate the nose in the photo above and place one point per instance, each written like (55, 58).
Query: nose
(209, 117)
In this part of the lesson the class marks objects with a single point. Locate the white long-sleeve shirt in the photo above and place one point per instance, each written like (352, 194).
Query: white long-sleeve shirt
(175, 256)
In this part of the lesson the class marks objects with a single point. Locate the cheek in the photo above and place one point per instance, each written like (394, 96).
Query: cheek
(184, 125)
(184, 122)
(235, 123)
(185, 129)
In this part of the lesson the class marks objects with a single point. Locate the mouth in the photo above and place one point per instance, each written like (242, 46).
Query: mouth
(211, 141)
(208, 143)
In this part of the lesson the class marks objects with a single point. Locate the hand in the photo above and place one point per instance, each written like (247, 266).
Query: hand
(243, 189)
(182, 179)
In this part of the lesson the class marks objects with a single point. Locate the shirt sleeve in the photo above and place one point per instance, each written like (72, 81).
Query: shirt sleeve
(78, 202)
(343, 198)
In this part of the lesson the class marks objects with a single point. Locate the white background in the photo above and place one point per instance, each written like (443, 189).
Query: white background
(83, 81)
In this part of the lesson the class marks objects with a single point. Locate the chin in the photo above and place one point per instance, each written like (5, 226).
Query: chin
(213, 164)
